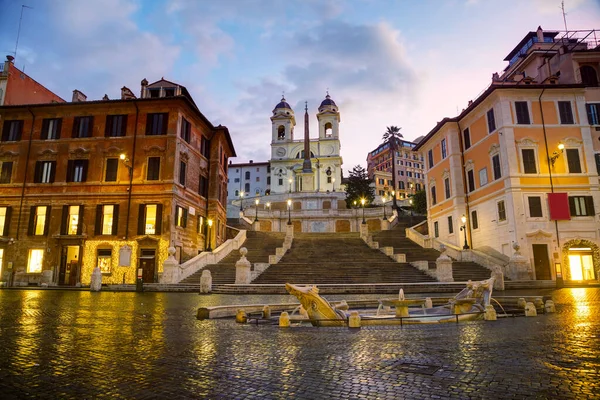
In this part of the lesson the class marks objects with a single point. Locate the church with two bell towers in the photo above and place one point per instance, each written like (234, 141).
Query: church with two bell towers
(299, 163)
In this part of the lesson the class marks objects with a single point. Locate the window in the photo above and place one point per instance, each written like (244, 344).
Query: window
(258, 179)
(44, 171)
(471, 180)
(247, 188)
(12, 130)
(529, 164)
(280, 181)
(181, 217)
(107, 217)
(496, 166)
(501, 211)
(491, 121)
(450, 225)
(433, 199)
(153, 173)
(236, 180)
(35, 261)
(593, 113)
(430, 158)
(436, 229)
(597, 156)
(467, 138)
(51, 129)
(247, 175)
(77, 170)
(447, 187)
(112, 166)
(72, 217)
(474, 221)
(573, 161)
(522, 112)
(535, 206)
(116, 126)
(169, 92)
(182, 169)
(203, 186)
(156, 124)
(205, 147)
(237, 193)
(409, 174)
(401, 185)
(186, 130)
(5, 172)
(580, 206)
(104, 260)
(39, 220)
(82, 127)
(566, 112)
(150, 219)
(444, 150)
(483, 179)
(4, 220)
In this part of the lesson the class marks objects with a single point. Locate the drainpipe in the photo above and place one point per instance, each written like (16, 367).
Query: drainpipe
(549, 174)
(25, 174)
(137, 113)
(464, 177)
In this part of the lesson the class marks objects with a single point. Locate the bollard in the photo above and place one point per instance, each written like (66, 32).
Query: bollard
(521, 303)
(490, 313)
(428, 302)
(354, 320)
(538, 302)
(530, 310)
(266, 312)
(241, 317)
(550, 308)
(284, 320)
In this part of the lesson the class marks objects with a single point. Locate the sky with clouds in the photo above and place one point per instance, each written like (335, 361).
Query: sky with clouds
(403, 63)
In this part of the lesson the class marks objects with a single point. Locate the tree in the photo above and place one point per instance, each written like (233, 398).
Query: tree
(391, 136)
(420, 202)
(359, 186)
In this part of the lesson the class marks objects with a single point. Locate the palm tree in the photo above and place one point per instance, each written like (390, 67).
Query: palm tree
(391, 136)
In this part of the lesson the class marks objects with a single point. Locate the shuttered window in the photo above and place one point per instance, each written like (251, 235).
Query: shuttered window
(529, 164)
(573, 161)
(566, 112)
(535, 206)
(522, 111)
(580, 206)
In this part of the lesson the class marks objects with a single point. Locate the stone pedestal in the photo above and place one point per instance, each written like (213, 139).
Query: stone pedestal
(256, 226)
(518, 268)
(242, 269)
(364, 231)
(170, 268)
(284, 320)
(550, 307)
(289, 231)
(354, 320)
(96, 283)
(444, 267)
(206, 282)
(530, 310)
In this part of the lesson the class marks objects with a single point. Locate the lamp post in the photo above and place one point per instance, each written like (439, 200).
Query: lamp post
(242, 201)
(209, 222)
(290, 184)
(269, 208)
(289, 205)
(362, 201)
(384, 216)
(463, 228)
(256, 214)
(411, 209)
(126, 162)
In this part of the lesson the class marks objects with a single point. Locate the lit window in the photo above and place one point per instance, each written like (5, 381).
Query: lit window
(4, 220)
(73, 221)
(34, 264)
(40, 220)
(107, 219)
(181, 217)
(150, 219)
(104, 261)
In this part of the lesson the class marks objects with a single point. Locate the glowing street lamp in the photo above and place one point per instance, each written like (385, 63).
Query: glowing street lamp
(209, 222)
(256, 215)
(362, 202)
(269, 207)
(384, 216)
(289, 205)
(333, 183)
(242, 200)
(463, 219)
(290, 184)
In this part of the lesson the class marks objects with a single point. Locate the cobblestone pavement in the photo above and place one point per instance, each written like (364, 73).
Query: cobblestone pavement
(62, 345)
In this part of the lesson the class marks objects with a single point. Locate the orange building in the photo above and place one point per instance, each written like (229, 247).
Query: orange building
(109, 184)
(521, 163)
(16, 87)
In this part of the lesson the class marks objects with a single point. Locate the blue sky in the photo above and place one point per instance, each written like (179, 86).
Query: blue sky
(403, 63)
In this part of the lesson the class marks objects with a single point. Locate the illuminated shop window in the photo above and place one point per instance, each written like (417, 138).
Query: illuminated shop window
(34, 264)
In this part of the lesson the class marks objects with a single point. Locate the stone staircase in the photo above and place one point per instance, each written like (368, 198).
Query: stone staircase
(396, 238)
(337, 258)
(259, 245)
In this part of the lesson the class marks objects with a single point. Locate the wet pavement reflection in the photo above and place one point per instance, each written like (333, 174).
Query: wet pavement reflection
(77, 344)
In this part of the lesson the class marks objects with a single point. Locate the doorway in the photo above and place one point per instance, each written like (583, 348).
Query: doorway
(68, 273)
(147, 263)
(581, 264)
(541, 261)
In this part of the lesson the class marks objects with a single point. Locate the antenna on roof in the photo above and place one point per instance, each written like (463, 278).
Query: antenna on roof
(23, 6)
(562, 7)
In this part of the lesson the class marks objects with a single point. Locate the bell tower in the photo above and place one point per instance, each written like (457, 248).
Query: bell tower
(329, 119)
(283, 122)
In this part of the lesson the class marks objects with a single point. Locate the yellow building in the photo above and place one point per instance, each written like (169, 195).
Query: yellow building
(521, 163)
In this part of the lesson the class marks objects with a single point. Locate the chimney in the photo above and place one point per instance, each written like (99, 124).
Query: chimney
(540, 34)
(78, 96)
(10, 59)
(144, 86)
(251, 161)
(470, 102)
(127, 94)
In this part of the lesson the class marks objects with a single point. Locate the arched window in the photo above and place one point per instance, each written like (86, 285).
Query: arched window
(247, 188)
(281, 132)
(301, 154)
(588, 75)
(247, 176)
(237, 193)
(328, 129)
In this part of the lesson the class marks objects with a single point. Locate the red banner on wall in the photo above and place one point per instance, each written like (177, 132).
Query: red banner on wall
(559, 206)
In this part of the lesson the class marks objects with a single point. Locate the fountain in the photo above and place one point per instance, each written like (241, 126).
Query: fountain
(402, 304)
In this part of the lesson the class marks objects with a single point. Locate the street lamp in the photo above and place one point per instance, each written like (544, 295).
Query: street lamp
(269, 208)
(289, 204)
(333, 183)
(209, 222)
(256, 215)
(384, 216)
(463, 219)
(362, 201)
(126, 162)
(411, 209)
(290, 184)
(242, 201)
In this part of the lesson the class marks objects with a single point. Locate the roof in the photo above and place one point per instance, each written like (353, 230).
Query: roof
(527, 37)
(485, 95)
(239, 165)
(282, 104)
(327, 101)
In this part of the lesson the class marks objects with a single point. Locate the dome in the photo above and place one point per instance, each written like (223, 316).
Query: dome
(283, 104)
(328, 101)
